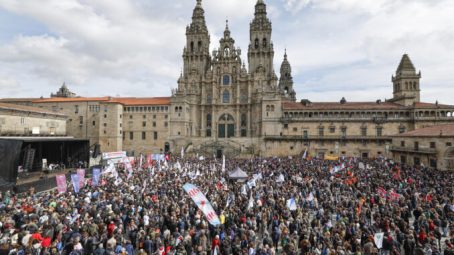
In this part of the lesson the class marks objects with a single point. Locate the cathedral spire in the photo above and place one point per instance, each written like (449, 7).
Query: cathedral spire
(227, 30)
(286, 79)
(198, 16)
(405, 64)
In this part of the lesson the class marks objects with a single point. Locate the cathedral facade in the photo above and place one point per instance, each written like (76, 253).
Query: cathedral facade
(222, 101)
(225, 105)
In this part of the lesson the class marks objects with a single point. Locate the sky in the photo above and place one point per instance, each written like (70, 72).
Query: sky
(337, 48)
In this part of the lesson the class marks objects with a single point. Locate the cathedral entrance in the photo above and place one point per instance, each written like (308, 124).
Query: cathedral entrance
(226, 126)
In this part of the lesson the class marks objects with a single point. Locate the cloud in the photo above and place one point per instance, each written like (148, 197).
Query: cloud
(134, 47)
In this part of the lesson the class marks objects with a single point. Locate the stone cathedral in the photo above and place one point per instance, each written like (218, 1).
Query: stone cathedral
(226, 105)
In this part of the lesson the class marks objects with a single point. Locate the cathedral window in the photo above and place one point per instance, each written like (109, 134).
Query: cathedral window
(264, 42)
(192, 46)
(199, 46)
(256, 43)
(226, 80)
(226, 97)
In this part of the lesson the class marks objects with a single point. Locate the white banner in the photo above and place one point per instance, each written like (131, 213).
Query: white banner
(202, 203)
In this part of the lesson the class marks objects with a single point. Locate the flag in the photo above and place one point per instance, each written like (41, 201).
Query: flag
(202, 203)
(291, 204)
(75, 182)
(223, 163)
(305, 154)
(251, 203)
(393, 195)
(230, 199)
(141, 161)
(179, 240)
(251, 183)
(280, 179)
(61, 183)
(128, 166)
(182, 152)
(95, 177)
(381, 192)
(243, 190)
(378, 239)
(81, 174)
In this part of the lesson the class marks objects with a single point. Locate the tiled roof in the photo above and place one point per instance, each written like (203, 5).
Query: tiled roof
(17, 99)
(119, 100)
(431, 106)
(339, 106)
(142, 100)
(24, 108)
(433, 131)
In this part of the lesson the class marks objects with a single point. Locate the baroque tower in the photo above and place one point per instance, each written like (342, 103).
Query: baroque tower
(286, 80)
(196, 54)
(260, 52)
(406, 90)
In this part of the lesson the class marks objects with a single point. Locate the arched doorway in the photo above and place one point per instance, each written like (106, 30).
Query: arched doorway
(226, 126)
(449, 158)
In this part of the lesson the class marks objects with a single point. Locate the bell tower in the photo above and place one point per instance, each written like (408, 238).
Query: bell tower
(406, 90)
(286, 80)
(196, 54)
(260, 52)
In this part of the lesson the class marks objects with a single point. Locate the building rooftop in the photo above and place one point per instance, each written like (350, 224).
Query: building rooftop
(23, 108)
(433, 131)
(119, 100)
(341, 106)
(358, 106)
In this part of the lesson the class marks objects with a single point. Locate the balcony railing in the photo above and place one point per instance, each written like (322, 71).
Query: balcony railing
(326, 137)
(414, 150)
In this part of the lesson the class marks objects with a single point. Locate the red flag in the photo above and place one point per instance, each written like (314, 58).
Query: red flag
(381, 192)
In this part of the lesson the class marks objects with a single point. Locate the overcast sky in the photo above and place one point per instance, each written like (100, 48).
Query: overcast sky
(337, 48)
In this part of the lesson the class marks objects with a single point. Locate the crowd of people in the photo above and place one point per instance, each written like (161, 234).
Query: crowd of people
(286, 206)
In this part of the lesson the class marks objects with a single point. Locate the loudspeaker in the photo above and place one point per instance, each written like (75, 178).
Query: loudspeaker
(97, 150)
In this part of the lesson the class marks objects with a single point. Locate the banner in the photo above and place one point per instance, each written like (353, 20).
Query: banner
(61, 183)
(128, 166)
(95, 177)
(75, 182)
(114, 156)
(333, 158)
(202, 203)
(182, 152)
(81, 174)
(291, 204)
(223, 163)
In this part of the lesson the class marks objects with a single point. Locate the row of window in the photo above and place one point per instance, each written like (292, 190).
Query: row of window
(343, 130)
(145, 116)
(432, 145)
(143, 135)
(146, 108)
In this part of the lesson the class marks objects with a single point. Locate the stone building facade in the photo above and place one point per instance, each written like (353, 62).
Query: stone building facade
(19, 120)
(224, 104)
(431, 147)
(136, 125)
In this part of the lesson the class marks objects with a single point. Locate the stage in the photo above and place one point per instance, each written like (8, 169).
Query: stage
(32, 156)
